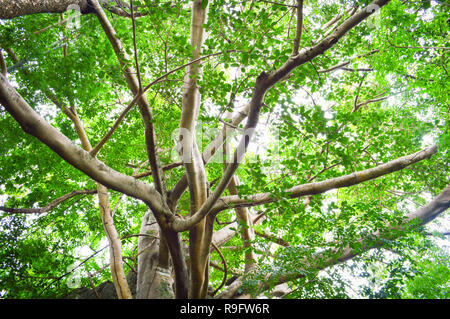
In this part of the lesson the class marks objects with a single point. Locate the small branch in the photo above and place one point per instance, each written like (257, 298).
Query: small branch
(135, 46)
(272, 238)
(73, 269)
(343, 64)
(351, 11)
(279, 4)
(298, 33)
(447, 233)
(323, 170)
(3, 67)
(91, 283)
(357, 70)
(48, 207)
(424, 48)
(355, 108)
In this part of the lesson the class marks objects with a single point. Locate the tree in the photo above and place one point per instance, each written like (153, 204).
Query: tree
(349, 93)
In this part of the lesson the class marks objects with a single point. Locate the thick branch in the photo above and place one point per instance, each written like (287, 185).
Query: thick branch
(343, 64)
(323, 186)
(33, 124)
(199, 242)
(17, 8)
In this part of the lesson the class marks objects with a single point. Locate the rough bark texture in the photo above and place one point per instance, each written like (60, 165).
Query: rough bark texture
(152, 281)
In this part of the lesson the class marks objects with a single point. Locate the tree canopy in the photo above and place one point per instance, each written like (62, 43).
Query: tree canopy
(224, 149)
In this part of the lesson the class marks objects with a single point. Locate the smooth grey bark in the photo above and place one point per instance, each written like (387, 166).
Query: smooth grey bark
(153, 282)
(33, 124)
(326, 185)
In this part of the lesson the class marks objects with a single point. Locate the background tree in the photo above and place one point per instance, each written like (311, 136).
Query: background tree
(156, 109)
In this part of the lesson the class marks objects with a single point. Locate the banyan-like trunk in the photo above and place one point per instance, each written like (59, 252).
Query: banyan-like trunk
(153, 281)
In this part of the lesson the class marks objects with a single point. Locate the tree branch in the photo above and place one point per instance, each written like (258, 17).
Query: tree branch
(50, 205)
(3, 67)
(323, 186)
(324, 45)
(323, 260)
(130, 105)
(225, 268)
(17, 8)
(272, 238)
(136, 59)
(263, 83)
(199, 242)
(33, 124)
(298, 32)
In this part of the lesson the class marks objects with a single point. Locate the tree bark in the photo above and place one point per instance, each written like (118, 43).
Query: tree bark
(323, 186)
(10, 9)
(153, 282)
(192, 160)
(33, 124)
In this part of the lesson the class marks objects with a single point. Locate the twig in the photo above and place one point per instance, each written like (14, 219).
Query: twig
(164, 168)
(93, 286)
(272, 238)
(343, 64)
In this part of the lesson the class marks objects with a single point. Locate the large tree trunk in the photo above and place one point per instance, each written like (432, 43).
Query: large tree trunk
(153, 282)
